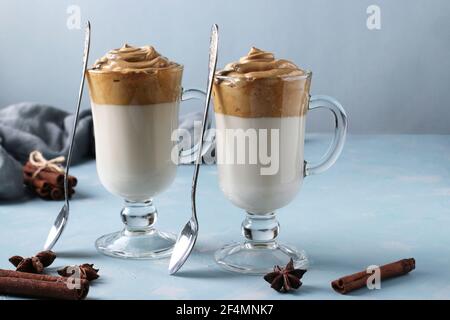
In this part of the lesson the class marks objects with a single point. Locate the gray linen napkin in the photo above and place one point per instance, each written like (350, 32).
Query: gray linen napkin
(25, 127)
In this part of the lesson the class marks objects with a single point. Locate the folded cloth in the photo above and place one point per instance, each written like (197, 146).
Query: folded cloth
(25, 127)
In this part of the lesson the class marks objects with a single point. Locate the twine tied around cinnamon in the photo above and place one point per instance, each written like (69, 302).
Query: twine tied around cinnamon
(39, 161)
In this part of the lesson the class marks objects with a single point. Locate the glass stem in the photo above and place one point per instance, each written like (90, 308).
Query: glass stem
(260, 229)
(139, 217)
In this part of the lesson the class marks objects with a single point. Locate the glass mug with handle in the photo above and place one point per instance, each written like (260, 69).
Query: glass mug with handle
(135, 95)
(260, 110)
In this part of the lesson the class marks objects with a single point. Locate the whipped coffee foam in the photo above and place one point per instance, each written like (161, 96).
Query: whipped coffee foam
(134, 76)
(133, 59)
(259, 64)
(259, 85)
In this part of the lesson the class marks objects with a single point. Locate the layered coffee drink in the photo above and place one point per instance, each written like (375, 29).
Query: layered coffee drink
(135, 95)
(261, 101)
(260, 105)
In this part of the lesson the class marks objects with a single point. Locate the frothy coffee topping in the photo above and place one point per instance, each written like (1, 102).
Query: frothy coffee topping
(259, 64)
(258, 85)
(133, 59)
(134, 76)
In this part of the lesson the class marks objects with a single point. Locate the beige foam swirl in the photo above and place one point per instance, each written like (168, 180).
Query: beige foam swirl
(259, 64)
(134, 76)
(133, 59)
(258, 85)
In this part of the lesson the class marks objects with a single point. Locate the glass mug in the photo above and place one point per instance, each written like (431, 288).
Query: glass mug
(273, 119)
(134, 117)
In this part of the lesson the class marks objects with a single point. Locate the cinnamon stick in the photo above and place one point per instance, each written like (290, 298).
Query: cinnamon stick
(358, 280)
(28, 275)
(36, 182)
(52, 177)
(43, 193)
(40, 286)
(57, 194)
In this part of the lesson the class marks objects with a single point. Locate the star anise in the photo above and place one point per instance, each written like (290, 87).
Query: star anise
(86, 271)
(285, 279)
(34, 264)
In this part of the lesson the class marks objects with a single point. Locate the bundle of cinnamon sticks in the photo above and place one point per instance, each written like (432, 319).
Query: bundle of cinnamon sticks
(46, 182)
(41, 286)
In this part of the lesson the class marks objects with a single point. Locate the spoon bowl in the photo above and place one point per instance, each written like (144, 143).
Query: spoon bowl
(185, 242)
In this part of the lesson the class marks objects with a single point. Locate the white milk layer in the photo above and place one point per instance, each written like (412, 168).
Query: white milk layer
(133, 148)
(244, 184)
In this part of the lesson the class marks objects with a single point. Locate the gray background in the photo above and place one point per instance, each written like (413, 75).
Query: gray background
(393, 80)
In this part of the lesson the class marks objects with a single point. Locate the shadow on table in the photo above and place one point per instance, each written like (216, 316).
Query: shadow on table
(206, 268)
(80, 195)
(77, 254)
(332, 262)
(305, 290)
(29, 196)
(26, 197)
(207, 273)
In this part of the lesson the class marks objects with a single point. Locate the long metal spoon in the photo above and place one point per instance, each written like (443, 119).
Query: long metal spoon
(186, 239)
(61, 220)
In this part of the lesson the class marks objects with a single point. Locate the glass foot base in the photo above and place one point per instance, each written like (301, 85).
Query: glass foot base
(151, 244)
(258, 259)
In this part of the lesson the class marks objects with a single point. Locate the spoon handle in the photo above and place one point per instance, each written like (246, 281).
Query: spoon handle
(87, 42)
(213, 48)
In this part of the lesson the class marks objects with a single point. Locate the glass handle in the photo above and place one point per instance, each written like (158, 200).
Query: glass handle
(190, 155)
(340, 132)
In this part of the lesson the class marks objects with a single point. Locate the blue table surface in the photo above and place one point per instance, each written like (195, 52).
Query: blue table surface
(387, 198)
